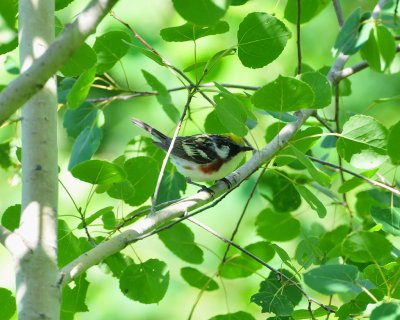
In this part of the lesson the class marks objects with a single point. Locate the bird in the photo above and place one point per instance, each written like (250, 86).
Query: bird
(201, 157)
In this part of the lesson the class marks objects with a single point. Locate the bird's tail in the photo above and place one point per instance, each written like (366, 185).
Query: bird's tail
(154, 132)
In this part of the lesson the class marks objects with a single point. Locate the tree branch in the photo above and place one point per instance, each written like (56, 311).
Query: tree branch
(149, 223)
(371, 181)
(254, 257)
(33, 79)
(338, 11)
(4, 234)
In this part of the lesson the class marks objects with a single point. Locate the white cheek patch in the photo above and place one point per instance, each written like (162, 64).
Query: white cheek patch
(222, 152)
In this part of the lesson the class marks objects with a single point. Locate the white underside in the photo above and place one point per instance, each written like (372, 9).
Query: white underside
(197, 175)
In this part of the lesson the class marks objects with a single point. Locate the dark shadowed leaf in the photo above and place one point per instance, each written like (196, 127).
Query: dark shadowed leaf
(172, 186)
(278, 295)
(78, 119)
(393, 147)
(389, 218)
(86, 144)
(389, 311)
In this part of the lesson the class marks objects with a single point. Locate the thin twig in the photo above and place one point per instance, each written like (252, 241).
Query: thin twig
(323, 122)
(338, 11)
(254, 257)
(371, 181)
(298, 42)
(243, 213)
(136, 94)
(165, 62)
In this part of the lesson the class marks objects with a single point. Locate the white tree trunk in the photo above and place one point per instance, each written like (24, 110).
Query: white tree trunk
(38, 296)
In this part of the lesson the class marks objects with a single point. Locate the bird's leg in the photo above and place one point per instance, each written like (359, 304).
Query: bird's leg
(202, 186)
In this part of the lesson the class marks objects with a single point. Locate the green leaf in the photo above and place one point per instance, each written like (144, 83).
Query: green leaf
(76, 120)
(385, 278)
(309, 9)
(194, 11)
(353, 34)
(94, 216)
(354, 182)
(98, 172)
(261, 39)
(320, 86)
(231, 113)
(191, 32)
(363, 142)
(389, 218)
(73, 299)
(308, 252)
(275, 226)
(312, 200)
(283, 255)
(180, 240)
(81, 88)
(240, 266)
(386, 311)
(278, 295)
(83, 59)
(284, 94)
(142, 176)
(370, 52)
(61, 4)
(5, 160)
(301, 314)
(163, 96)
(393, 146)
(331, 279)
(198, 280)
(146, 282)
(240, 315)
(172, 185)
(11, 66)
(110, 47)
(148, 53)
(363, 246)
(358, 304)
(8, 304)
(9, 11)
(64, 88)
(213, 125)
(109, 221)
(11, 217)
(67, 242)
(320, 177)
(279, 189)
(86, 144)
(9, 46)
(387, 45)
(117, 263)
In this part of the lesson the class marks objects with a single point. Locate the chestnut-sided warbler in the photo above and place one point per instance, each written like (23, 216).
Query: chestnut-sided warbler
(201, 157)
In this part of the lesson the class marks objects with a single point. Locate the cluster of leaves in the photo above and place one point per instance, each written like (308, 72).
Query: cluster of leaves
(356, 263)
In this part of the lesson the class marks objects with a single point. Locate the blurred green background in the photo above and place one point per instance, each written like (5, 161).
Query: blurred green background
(105, 301)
